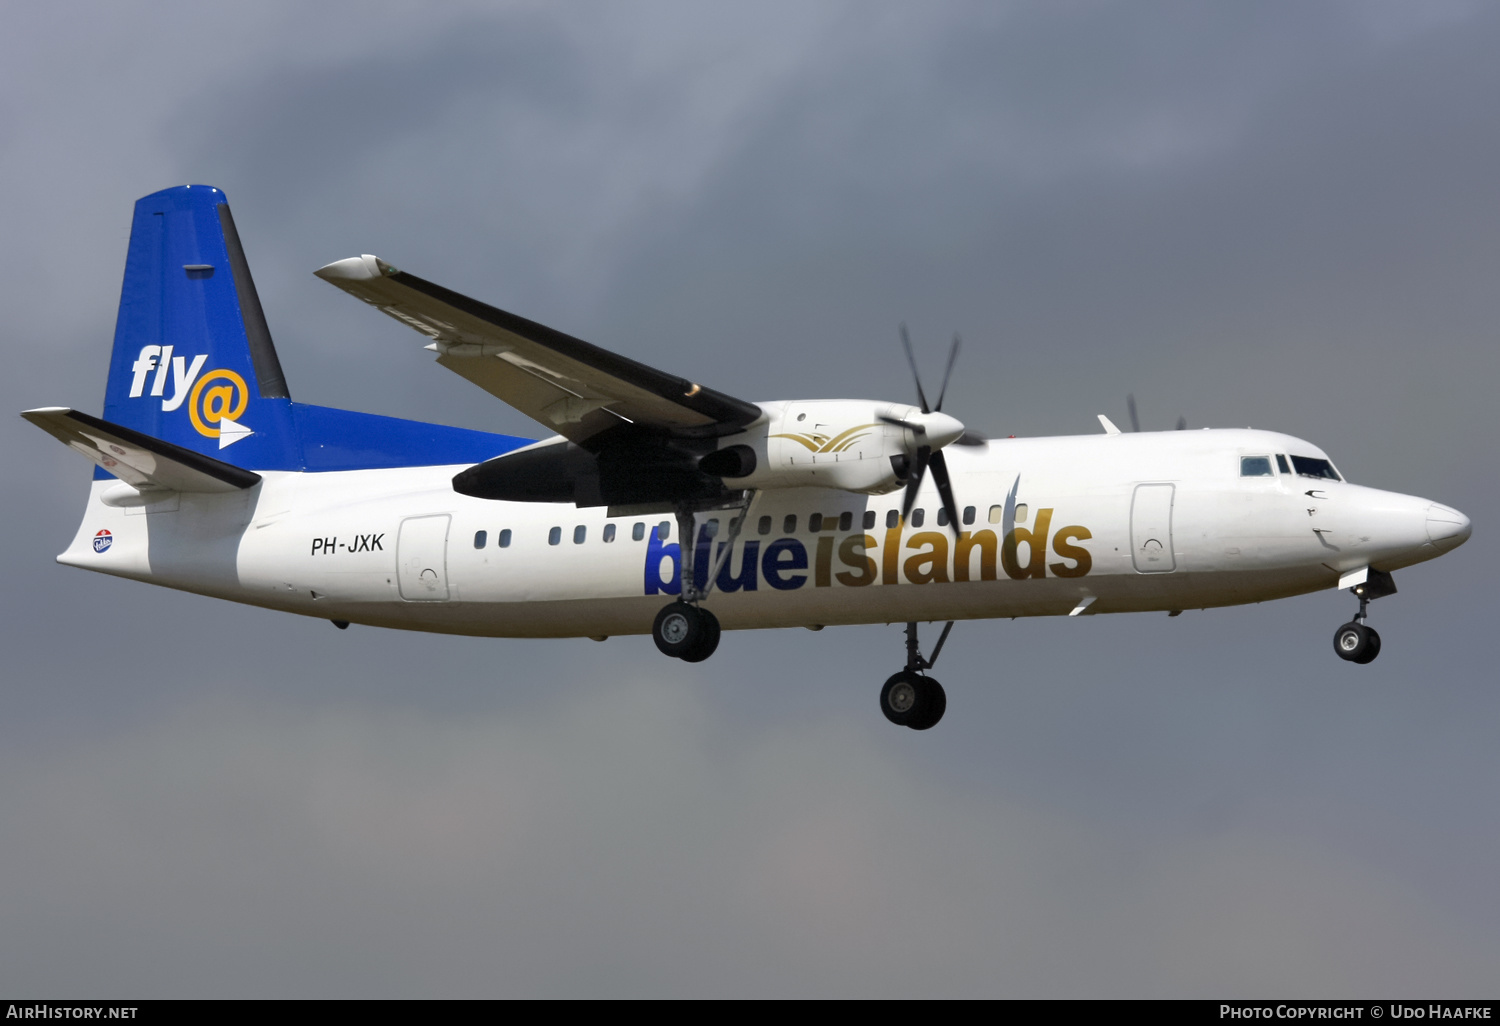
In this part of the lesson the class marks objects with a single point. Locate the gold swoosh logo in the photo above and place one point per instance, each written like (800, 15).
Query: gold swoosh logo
(820, 443)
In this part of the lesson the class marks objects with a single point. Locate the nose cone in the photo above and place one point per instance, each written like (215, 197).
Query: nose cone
(1447, 528)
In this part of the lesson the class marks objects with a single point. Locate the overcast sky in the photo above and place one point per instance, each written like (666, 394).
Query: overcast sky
(1283, 215)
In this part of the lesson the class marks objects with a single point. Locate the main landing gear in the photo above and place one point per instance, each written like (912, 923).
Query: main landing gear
(1356, 641)
(689, 633)
(911, 698)
(685, 630)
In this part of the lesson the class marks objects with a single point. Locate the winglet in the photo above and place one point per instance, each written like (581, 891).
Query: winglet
(1109, 425)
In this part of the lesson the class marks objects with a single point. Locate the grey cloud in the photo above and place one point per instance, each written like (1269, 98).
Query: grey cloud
(452, 857)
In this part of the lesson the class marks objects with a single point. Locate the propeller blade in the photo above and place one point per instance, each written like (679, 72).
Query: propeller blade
(906, 341)
(972, 438)
(914, 482)
(916, 429)
(1181, 423)
(945, 489)
(1135, 422)
(952, 358)
(1008, 522)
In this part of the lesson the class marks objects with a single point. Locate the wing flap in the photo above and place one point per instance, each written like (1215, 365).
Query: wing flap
(138, 459)
(574, 388)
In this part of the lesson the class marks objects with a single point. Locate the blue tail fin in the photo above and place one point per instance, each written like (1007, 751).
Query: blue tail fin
(193, 361)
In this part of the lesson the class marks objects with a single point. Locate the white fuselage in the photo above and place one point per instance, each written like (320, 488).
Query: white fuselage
(1109, 523)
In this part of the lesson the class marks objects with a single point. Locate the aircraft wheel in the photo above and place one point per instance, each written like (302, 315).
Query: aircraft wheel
(902, 698)
(678, 629)
(934, 704)
(1353, 643)
(1372, 648)
(708, 638)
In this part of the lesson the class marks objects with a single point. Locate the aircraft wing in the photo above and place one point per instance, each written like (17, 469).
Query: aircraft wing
(573, 388)
(137, 459)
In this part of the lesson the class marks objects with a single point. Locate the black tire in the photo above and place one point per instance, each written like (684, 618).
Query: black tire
(934, 703)
(1352, 642)
(903, 698)
(1372, 649)
(678, 629)
(708, 638)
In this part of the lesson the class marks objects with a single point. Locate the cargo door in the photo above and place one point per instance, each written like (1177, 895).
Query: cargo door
(422, 559)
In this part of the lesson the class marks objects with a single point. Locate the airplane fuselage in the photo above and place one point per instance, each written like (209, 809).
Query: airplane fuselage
(1097, 524)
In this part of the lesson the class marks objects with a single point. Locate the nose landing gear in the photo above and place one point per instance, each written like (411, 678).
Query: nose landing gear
(1356, 641)
(910, 698)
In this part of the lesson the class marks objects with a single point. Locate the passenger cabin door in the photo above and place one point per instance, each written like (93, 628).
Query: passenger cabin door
(422, 559)
(1151, 529)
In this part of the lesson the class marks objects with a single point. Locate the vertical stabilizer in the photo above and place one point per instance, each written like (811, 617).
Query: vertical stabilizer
(193, 361)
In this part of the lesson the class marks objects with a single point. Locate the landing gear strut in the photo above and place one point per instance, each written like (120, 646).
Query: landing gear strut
(685, 630)
(911, 698)
(1356, 641)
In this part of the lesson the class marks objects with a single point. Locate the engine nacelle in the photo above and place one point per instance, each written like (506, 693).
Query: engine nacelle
(834, 443)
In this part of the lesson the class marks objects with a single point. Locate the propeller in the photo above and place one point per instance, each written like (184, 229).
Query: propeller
(1135, 421)
(933, 430)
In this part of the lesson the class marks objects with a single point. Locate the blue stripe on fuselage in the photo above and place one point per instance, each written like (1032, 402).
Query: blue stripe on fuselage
(345, 440)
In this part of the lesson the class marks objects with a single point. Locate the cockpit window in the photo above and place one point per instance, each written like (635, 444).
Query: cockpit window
(1255, 466)
(1309, 466)
(1281, 462)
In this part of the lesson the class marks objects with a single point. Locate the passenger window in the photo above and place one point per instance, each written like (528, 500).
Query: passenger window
(869, 520)
(480, 537)
(579, 533)
(997, 514)
(1255, 466)
(943, 517)
(846, 520)
(505, 538)
(711, 529)
(918, 516)
(789, 525)
(968, 514)
(664, 530)
(892, 518)
(1022, 512)
(815, 522)
(1281, 462)
(638, 532)
(1310, 466)
(554, 536)
(609, 532)
(764, 527)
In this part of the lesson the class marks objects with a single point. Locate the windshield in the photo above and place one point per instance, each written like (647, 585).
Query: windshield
(1310, 466)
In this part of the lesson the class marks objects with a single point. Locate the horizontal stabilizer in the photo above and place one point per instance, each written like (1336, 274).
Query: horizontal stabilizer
(137, 459)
